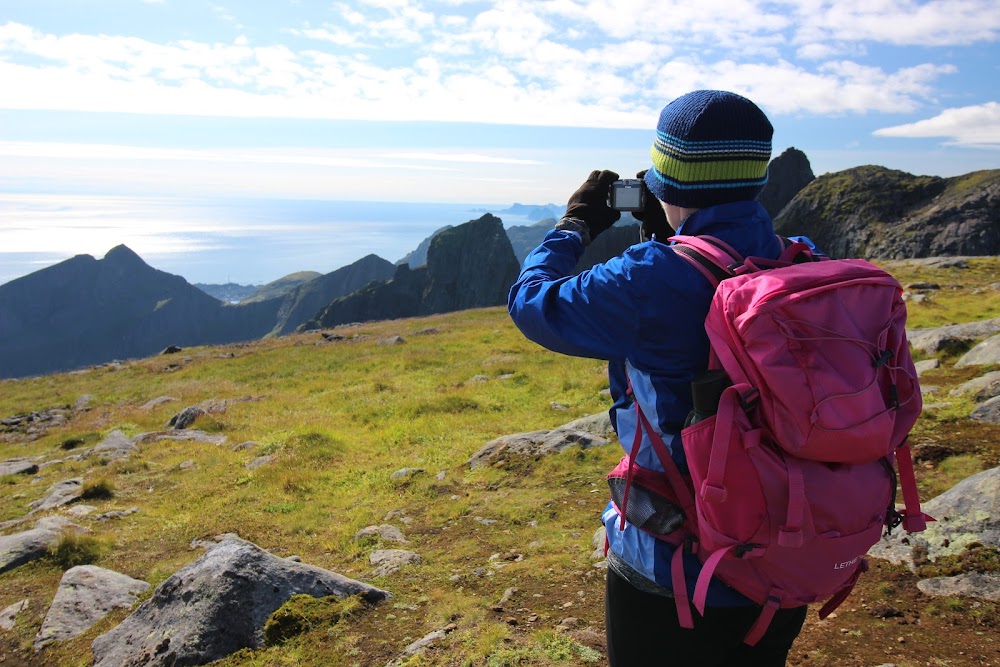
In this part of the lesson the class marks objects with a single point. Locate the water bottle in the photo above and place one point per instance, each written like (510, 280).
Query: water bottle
(706, 390)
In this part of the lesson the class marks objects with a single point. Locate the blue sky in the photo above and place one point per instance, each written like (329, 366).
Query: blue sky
(114, 114)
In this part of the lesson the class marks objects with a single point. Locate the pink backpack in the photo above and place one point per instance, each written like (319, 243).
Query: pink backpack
(794, 477)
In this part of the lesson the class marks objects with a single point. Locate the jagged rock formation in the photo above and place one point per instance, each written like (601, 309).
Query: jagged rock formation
(86, 311)
(877, 213)
(418, 257)
(787, 174)
(306, 300)
(216, 606)
(468, 266)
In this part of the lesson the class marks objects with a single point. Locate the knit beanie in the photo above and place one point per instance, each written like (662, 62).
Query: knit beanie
(712, 147)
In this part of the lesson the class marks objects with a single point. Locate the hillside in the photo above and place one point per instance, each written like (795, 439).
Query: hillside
(331, 449)
(877, 213)
(280, 287)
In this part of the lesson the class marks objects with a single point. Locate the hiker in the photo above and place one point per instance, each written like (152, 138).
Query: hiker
(644, 312)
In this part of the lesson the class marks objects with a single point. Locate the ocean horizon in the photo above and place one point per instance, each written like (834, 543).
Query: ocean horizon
(218, 241)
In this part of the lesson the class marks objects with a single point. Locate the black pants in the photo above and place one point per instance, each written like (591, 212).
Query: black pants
(642, 630)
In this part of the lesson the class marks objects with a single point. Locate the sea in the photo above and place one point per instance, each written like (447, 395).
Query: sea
(219, 241)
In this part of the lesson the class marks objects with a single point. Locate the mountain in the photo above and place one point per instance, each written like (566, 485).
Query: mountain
(280, 287)
(787, 174)
(418, 257)
(876, 213)
(228, 292)
(86, 311)
(524, 239)
(309, 298)
(468, 266)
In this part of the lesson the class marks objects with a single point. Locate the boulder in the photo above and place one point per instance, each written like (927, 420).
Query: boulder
(8, 615)
(180, 436)
(952, 336)
(114, 447)
(926, 365)
(388, 561)
(984, 387)
(967, 513)
(59, 494)
(385, 531)
(29, 545)
(406, 473)
(582, 432)
(986, 353)
(185, 417)
(216, 606)
(18, 467)
(987, 411)
(983, 585)
(86, 594)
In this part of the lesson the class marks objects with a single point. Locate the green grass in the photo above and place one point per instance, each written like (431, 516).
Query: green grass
(337, 419)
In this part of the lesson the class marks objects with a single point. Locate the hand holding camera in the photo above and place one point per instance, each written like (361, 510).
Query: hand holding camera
(588, 207)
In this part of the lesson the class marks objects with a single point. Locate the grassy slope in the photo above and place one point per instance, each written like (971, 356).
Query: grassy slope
(339, 418)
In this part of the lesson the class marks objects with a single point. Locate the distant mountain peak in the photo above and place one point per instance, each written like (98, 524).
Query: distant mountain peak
(122, 254)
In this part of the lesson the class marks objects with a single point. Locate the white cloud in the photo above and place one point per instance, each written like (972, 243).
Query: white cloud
(973, 126)
(561, 62)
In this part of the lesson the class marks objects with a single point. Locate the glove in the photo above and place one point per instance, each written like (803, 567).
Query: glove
(652, 219)
(587, 211)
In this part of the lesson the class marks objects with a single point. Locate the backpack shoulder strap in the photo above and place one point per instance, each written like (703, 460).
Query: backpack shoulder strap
(713, 258)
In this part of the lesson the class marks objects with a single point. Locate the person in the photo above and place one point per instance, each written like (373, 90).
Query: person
(644, 313)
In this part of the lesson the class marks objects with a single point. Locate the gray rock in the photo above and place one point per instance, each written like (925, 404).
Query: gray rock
(421, 645)
(59, 494)
(406, 473)
(193, 435)
(86, 594)
(82, 403)
(158, 401)
(535, 443)
(258, 462)
(392, 340)
(986, 353)
(80, 511)
(8, 616)
(968, 512)
(598, 424)
(987, 411)
(984, 387)
(934, 340)
(18, 467)
(388, 561)
(984, 585)
(477, 379)
(216, 606)
(116, 514)
(249, 444)
(29, 545)
(597, 541)
(926, 365)
(115, 447)
(385, 531)
(185, 417)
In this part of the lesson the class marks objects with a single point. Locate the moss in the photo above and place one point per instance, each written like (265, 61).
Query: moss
(975, 558)
(302, 613)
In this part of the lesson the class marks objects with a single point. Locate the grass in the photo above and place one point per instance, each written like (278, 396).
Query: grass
(337, 419)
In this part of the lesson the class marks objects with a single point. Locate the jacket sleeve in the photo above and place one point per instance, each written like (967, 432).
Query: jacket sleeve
(592, 314)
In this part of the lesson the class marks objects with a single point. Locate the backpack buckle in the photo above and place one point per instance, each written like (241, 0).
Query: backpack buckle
(749, 400)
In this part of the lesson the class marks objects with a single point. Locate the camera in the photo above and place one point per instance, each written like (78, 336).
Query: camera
(627, 195)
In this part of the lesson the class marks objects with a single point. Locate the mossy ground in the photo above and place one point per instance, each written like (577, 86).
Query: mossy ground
(338, 418)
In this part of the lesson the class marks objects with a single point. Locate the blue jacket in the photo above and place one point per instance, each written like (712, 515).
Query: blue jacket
(644, 312)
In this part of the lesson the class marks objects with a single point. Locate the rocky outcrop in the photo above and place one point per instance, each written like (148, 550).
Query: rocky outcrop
(86, 594)
(787, 174)
(304, 302)
(418, 257)
(877, 213)
(592, 431)
(29, 545)
(468, 266)
(217, 606)
(952, 337)
(966, 514)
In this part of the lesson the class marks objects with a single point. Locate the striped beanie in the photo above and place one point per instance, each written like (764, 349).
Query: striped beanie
(712, 147)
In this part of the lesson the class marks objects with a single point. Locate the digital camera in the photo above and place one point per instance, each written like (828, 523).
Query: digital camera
(627, 195)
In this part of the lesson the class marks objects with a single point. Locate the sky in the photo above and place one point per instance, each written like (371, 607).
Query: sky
(155, 122)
